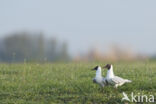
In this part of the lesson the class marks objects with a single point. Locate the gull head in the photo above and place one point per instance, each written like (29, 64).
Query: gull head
(96, 68)
(108, 66)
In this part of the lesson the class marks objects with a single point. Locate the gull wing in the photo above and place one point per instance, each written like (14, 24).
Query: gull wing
(118, 80)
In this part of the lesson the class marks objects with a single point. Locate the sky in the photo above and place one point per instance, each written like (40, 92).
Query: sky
(85, 24)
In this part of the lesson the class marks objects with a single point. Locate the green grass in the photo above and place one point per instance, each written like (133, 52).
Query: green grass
(71, 83)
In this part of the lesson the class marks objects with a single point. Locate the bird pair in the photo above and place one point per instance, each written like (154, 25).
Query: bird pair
(110, 78)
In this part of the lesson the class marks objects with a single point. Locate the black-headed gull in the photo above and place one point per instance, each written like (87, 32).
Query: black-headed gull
(114, 80)
(98, 77)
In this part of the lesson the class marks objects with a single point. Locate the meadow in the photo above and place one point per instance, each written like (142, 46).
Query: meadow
(71, 83)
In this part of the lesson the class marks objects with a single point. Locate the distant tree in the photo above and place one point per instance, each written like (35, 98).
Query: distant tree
(17, 47)
(51, 49)
(39, 47)
(2, 50)
(32, 47)
(63, 55)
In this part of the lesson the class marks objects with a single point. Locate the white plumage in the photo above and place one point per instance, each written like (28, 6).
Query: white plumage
(114, 80)
(98, 77)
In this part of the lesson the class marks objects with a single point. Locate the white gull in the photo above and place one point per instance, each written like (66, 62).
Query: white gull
(114, 80)
(98, 77)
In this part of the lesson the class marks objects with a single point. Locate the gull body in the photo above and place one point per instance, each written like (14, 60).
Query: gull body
(114, 80)
(98, 77)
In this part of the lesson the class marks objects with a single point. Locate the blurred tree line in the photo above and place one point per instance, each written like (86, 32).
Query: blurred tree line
(25, 46)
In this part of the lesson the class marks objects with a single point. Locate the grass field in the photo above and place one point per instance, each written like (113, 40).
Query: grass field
(71, 83)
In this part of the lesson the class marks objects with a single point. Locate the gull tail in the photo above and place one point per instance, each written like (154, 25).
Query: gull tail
(128, 81)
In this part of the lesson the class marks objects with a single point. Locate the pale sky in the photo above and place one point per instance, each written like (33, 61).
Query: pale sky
(85, 24)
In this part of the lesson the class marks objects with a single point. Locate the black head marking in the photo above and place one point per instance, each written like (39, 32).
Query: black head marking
(108, 66)
(96, 68)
